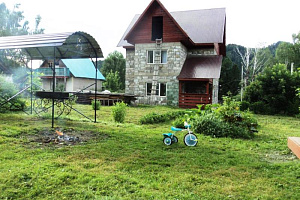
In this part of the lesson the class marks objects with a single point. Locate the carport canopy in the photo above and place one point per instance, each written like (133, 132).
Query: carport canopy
(66, 45)
(69, 45)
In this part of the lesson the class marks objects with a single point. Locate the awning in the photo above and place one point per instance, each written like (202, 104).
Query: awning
(201, 67)
(66, 45)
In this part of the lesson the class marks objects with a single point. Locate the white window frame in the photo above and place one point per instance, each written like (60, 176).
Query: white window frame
(158, 89)
(161, 56)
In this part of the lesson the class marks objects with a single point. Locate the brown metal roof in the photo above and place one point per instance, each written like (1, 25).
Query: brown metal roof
(201, 67)
(67, 45)
(201, 26)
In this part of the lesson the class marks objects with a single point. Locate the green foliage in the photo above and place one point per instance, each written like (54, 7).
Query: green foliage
(179, 121)
(112, 81)
(13, 23)
(224, 120)
(275, 90)
(215, 127)
(115, 65)
(230, 78)
(154, 118)
(7, 90)
(288, 53)
(96, 104)
(119, 112)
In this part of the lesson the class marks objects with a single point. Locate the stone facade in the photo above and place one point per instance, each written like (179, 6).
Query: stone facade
(139, 72)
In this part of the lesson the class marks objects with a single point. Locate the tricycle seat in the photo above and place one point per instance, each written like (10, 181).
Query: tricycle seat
(176, 129)
(167, 134)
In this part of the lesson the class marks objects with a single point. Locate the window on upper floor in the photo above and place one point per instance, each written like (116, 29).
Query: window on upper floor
(157, 28)
(161, 54)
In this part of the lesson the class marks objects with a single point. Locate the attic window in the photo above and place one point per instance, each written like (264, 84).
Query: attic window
(157, 28)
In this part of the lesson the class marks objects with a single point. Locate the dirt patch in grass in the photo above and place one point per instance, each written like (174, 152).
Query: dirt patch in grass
(278, 157)
(61, 137)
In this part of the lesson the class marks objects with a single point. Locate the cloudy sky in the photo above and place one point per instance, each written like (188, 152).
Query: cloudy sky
(249, 22)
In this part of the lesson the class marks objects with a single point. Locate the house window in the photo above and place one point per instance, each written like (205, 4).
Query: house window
(157, 28)
(162, 56)
(150, 56)
(160, 89)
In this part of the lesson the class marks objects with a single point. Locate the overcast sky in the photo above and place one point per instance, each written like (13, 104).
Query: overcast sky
(249, 22)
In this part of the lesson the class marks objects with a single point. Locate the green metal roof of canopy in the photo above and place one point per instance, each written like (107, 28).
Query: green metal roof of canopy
(67, 45)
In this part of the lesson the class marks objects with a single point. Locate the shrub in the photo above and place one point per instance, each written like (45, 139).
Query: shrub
(208, 125)
(212, 126)
(245, 105)
(179, 122)
(7, 90)
(260, 107)
(153, 118)
(119, 112)
(225, 121)
(96, 104)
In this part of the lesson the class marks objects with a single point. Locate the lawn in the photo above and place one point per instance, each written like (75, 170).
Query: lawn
(129, 161)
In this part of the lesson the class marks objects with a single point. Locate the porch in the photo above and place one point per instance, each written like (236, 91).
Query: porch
(198, 81)
(193, 93)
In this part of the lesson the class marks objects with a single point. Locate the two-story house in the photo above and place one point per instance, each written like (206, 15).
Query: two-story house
(71, 75)
(174, 58)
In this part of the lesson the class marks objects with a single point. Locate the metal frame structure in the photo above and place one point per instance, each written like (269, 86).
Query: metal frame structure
(54, 46)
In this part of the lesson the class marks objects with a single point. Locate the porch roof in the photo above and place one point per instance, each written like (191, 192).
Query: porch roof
(201, 67)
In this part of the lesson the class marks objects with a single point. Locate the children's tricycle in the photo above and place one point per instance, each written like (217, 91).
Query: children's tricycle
(190, 139)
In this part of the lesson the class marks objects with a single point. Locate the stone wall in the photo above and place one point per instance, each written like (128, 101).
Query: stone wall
(139, 72)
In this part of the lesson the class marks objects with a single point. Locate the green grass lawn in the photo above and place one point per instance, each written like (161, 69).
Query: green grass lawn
(130, 161)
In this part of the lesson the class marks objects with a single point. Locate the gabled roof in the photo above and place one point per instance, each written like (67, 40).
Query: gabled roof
(82, 68)
(201, 26)
(205, 67)
(153, 3)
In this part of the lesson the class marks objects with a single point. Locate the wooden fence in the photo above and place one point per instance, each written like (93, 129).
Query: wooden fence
(192, 100)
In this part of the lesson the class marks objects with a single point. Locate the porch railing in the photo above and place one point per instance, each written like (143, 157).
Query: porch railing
(58, 71)
(187, 100)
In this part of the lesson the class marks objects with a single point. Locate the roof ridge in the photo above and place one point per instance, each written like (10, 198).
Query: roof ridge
(223, 8)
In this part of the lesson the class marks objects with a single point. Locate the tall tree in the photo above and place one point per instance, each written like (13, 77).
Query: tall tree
(12, 22)
(285, 53)
(288, 53)
(230, 78)
(115, 62)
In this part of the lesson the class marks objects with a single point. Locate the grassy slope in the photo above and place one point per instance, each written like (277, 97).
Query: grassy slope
(133, 163)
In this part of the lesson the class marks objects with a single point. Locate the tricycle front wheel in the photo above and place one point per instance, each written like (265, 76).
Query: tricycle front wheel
(190, 140)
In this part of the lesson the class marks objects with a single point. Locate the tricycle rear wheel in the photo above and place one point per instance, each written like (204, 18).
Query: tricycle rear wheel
(167, 141)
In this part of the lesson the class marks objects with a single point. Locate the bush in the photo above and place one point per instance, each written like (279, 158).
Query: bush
(153, 118)
(208, 125)
(179, 122)
(245, 105)
(7, 90)
(212, 126)
(225, 121)
(97, 104)
(119, 112)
